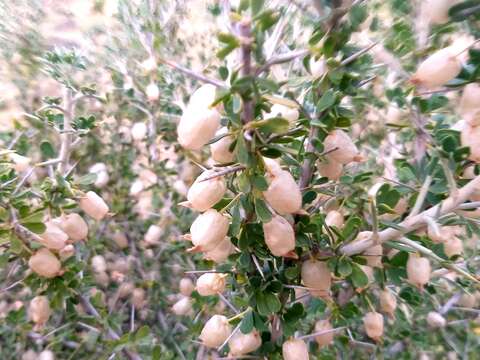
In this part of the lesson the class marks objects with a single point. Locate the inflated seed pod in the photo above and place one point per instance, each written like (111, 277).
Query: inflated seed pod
(326, 338)
(203, 194)
(74, 226)
(39, 310)
(93, 205)
(67, 252)
(242, 344)
(330, 169)
(436, 320)
(418, 270)
(436, 11)
(272, 166)
(182, 306)
(153, 235)
(453, 246)
(345, 150)
(295, 349)
(220, 149)
(46, 355)
(468, 300)
(148, 177)
(44, 263)
(373, 324)
(148, 65)
(278, 110)
(279, 236)
(30, 355)
(186, 286)
(221, 252)
(138, 298)
(208, 230)
(317, 66)
(388, 302)
(211, 284)
(100, 170)
(470, 137)
(438, 69)
(120, 239)
(99, 265)
(215, 331)
(139, 131)
(469, 107)
(283, 193)
(53, 237)
(317, 277)
(335, 218)
(199, 121)
(136, 187)
(152, 91)
(20, 163)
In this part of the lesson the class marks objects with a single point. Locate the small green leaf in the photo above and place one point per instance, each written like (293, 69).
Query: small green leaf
(247, 323)
(87, 179)
(237, 103)
(262, 211)
(16, 245)
(241, 151)
(259, 182)
(295, 313)
(143, 332)
(273, 125)
(358, 277)
(37, 228)
(344, 267)
(326, 101)
(47, 150)
(256, 6)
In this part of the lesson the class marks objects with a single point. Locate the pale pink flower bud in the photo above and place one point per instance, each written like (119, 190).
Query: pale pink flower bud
(373, 323)
(44, 263)
(295, 349)
(203, 194)
(279, 236)
(74, 226)
(324, 339)
(93, 205)
(346, 151)
(317, 277)
(215, 331)
(208, 230)
(186, 286)
(241, 344)
(283, 193)
(211, 284)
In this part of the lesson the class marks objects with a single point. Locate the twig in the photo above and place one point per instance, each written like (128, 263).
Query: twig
(246, 59)
(224, 172)
(23, 180)
(413, 223)
(282, 59)
(449, 304)
(359, 53)
(421, 196)
(192, 73)
(66, 137)
(323, 332)
(257, 265)
(429, 253)
(110, 332)
(228, 303)
(229, 337)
